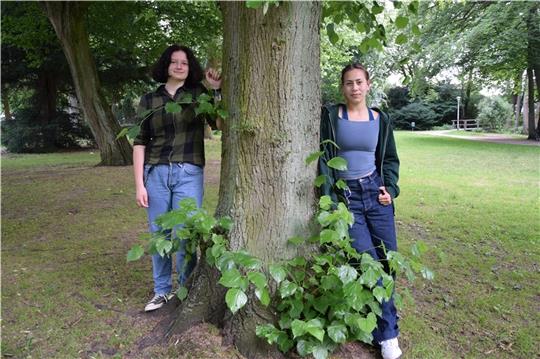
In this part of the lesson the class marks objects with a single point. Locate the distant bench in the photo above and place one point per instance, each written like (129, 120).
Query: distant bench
(465, 124)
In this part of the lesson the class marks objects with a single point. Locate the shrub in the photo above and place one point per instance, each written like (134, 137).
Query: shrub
(419, 113)
(494, 112)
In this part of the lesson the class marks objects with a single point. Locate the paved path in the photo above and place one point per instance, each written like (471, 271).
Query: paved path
(492, 137)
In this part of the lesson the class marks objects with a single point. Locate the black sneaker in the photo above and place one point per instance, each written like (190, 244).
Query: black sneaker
(158, 301)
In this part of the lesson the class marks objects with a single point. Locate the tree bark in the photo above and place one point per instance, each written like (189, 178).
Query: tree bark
(272, 92)
(532, 61)
(5, 103)
(47, 96)
(67, 19)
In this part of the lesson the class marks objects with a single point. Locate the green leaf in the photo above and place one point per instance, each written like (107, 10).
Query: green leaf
(419, 248)
(182, 293)
(413, 7)
(286, 288)
(379, 293)
(258, 279)
(346, 273)
(122, 133)
(320, 352)
(284, 343)
(338, 163)
(320, 180)
(277, 272)
(376, 9)
(330, 142)
(224, 114)
(298, 328)
(269, 332)
(172, 107)
(341, 184)
(313, 156)
(328, 236)
(402, 22)
(232, 278)
(296, 240)
(204, 107)
(368, 323)
(332, 35)
(135, 253)
(254, 4)
(133, 131)
(163, 246)
(325, 202)
(247, 260)
(360, 27)
(235, 299)
(304, 347)
(369, 278)
(401, 39)
(315, 328)
(416, 30)
(226, 223)
(263, 295)
(338, 333)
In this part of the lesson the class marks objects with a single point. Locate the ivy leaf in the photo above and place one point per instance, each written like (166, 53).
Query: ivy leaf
(133, 131)
(263, 295)
(172, 107)
(235, 299)
(298, 328)
(287, 288)
(402, 22)
(163, 246)
(313, 156)
(328, 236)
(315, 328)
(258, 279)
(247, 260)
(427, 273)
(254, 4)
(284, 343)
(182, 293)
(376, 9)
(269, 332)
(341, 184)
(122, 133)
(277, 272)
(346, 273)
(338, 333)
(330, 142)
(232, 278)
(367, 324)
(338, 163)
(320, 180)
(304, 347)
(320, 352)
(135, 253)
(204, 97)
(325, 202)
(296, 240)
(204, 107)
(225, 223)
(224, 114)
(401, 39)
(419, 248)
(379, 293)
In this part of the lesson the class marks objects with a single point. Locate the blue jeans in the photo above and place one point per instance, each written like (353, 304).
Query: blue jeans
(374, 232)
(166, 185)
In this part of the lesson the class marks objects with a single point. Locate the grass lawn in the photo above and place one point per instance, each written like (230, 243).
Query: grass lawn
(67, 291)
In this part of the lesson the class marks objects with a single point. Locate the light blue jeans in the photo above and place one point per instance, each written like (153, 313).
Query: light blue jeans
(166, 185)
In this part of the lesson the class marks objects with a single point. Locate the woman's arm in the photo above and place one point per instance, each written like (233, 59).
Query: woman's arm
(138, 171)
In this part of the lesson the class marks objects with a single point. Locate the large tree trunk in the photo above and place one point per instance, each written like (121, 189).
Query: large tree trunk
(47, 96)
(5, 103)
(272, 92)
(67, 19)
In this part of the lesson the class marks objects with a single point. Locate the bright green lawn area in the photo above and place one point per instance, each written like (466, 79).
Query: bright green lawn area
(67, 225)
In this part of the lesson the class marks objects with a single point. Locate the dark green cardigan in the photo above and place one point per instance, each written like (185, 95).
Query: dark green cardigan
(386, 157)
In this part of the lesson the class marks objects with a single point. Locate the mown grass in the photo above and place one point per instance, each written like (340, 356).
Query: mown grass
(68, 292)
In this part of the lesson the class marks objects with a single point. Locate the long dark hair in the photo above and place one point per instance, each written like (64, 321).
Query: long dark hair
(353, 66)
(160, 71)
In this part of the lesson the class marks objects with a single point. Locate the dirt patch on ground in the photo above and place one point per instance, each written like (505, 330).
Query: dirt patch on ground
(493, 138)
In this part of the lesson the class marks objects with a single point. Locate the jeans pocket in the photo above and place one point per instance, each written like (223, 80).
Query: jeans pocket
(192, 170)
(146, 173)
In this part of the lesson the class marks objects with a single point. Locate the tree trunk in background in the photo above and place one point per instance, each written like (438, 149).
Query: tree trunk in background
(67, 19)
(272, 92)
(5, 103)
(47, 96)
(532, 60)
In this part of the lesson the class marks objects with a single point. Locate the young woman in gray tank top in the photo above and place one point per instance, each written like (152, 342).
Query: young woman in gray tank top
(365, 139)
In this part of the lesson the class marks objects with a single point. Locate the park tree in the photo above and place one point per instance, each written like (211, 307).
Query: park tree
(67, 19)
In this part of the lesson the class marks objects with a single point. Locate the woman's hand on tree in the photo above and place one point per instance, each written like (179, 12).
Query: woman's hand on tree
(213, 77)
